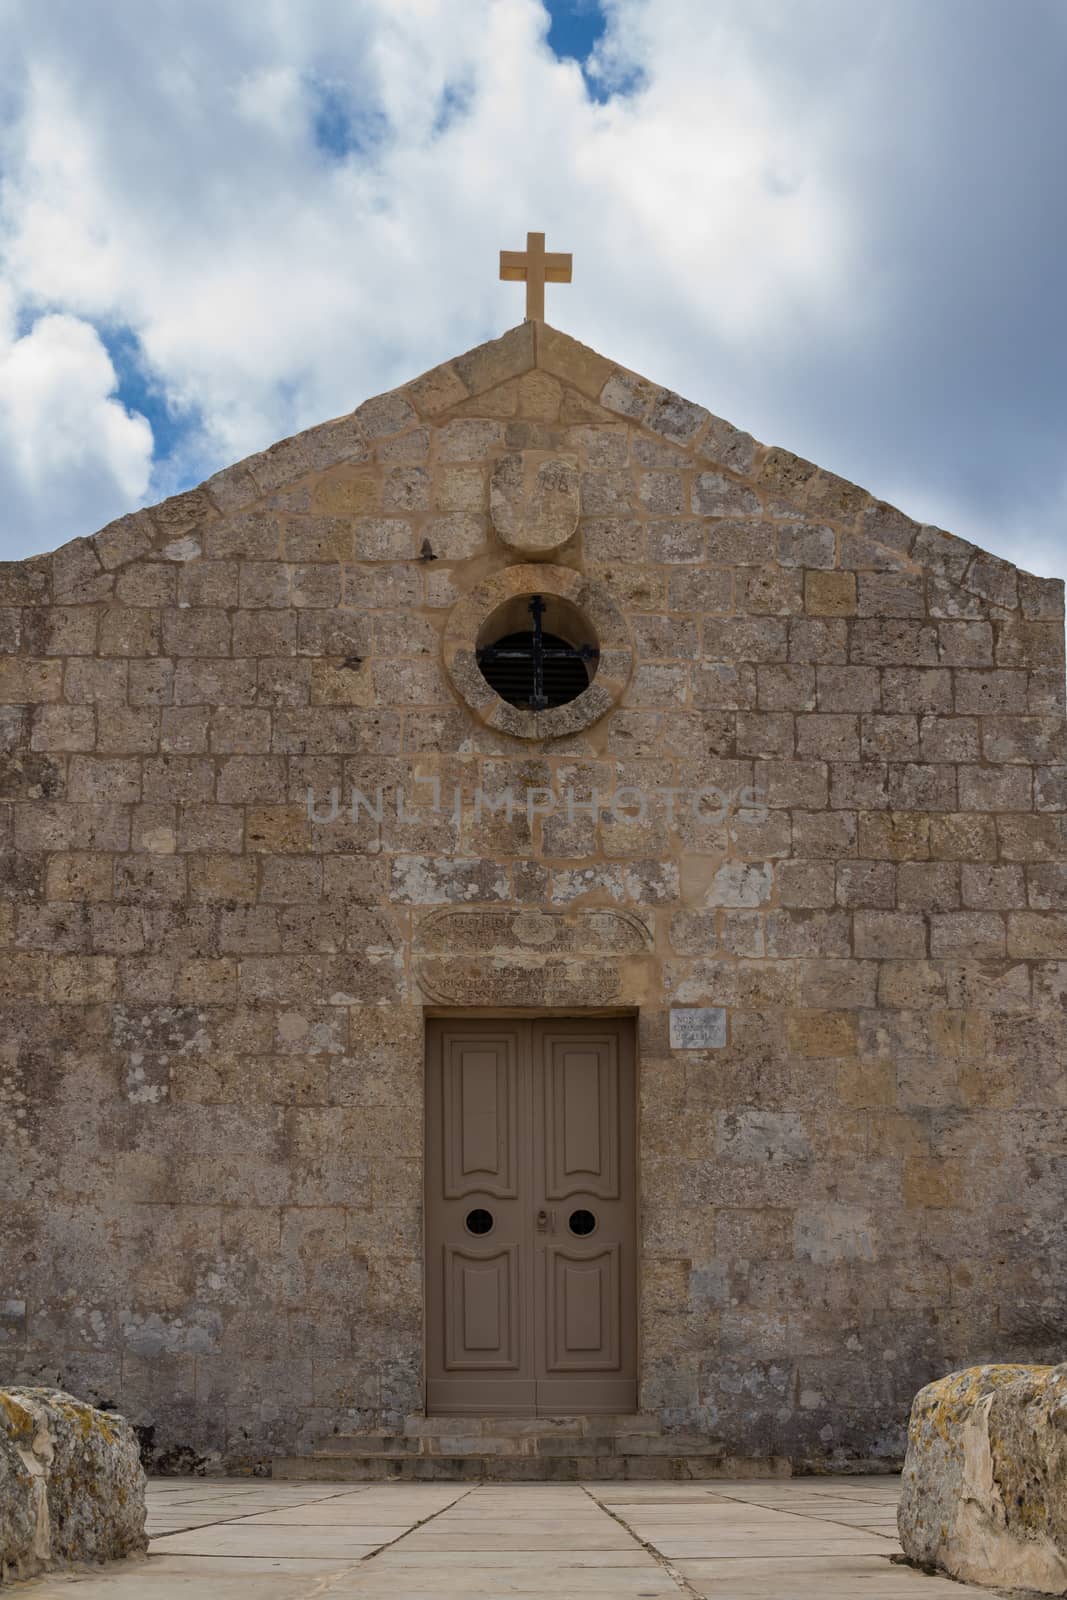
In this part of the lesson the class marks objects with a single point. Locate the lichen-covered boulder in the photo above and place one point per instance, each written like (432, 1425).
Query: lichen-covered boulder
(984, 1493)
(71, 1483)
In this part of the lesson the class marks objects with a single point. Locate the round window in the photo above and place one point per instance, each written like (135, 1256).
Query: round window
(479, 1220)
(546, 661)
(538, 651)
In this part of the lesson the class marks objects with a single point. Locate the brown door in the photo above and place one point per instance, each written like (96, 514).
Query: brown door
(530, 1217)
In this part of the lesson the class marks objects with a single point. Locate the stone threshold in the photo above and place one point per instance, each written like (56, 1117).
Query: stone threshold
(528, 1449)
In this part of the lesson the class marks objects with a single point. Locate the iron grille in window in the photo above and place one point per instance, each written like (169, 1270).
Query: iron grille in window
(534, 669)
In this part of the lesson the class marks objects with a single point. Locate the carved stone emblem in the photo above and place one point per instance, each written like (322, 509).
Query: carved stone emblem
(534, 500)
(527, 958)
(470, 931)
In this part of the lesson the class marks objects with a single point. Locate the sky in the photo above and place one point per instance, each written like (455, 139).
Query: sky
(841, 224)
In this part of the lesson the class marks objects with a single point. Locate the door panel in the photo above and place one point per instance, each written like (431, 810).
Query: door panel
(530, 1217)
(479, 1102)
(581, 1087)
(481, 1309)
(478, 1270)
(584, 1281)
(582, 1315)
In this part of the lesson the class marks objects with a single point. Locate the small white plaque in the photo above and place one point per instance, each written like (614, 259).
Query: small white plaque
(698, 1027)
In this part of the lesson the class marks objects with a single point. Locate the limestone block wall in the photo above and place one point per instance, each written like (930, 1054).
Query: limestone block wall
(213, 997)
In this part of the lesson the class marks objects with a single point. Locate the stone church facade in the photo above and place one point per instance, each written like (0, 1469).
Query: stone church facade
(763, 932)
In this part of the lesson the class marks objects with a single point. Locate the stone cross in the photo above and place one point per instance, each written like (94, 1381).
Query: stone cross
(535, 267)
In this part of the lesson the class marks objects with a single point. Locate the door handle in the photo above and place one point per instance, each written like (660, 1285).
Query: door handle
(546, 1222)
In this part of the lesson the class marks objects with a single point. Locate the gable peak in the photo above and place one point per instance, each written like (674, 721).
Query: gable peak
(483, 382)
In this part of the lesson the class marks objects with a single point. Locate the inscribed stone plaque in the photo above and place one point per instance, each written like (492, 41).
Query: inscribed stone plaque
(698, 1027)
(534, 499)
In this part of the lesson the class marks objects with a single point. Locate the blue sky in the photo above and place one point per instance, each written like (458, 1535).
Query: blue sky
(840, 223)
(575, 29)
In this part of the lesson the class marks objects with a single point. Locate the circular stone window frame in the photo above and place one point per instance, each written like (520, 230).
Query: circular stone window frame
(590, 599)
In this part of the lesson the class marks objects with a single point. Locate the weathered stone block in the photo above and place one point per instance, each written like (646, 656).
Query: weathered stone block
(807, 933)
(739, 544)
(71, 1483)
(994, 692)
(54, 631)
(715, 495)
(893, 642)
(928, 885)
(791, 783)
(1041, 598)
(890, 594)
(830, 594)
(894, 835)
(967, 933)
(982, 1489)
(1037, 933)
(842, 689)
(949, 738)
(860, 785)
(29, 682)
(917, 786)
(993, 888)
(768, 591)
(1039, 838)
(966, 644)
(821, 1033)
(824, 835)
(500, 359)
(806, 884)
(893, 934)
(58, 727)
(828, 736)
(995, 788)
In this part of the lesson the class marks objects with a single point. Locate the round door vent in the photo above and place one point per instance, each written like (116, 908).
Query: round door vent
(581, 1222)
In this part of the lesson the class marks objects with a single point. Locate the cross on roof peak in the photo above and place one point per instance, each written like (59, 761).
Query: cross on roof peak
(535, 267)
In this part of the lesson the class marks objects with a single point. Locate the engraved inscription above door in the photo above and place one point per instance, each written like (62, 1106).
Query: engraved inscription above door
(530, 1217)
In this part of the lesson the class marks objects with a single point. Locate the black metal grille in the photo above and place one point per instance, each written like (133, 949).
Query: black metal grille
(536, 670)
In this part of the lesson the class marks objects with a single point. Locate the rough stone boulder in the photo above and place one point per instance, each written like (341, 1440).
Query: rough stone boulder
(71, 1483)
(984, 1494)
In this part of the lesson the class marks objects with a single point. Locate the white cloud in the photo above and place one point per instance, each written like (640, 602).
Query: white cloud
(735, 218)
(71, 457)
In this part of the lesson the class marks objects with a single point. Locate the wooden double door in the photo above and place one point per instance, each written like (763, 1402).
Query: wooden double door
(530, 1217)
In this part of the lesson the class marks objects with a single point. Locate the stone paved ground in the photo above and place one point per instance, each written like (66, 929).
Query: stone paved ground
(235, 1538)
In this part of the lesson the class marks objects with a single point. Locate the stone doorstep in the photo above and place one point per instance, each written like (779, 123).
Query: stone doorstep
(635, 1444)
(518, 1449)
(599, 1423)
(449, 1445)
(324, 1468)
